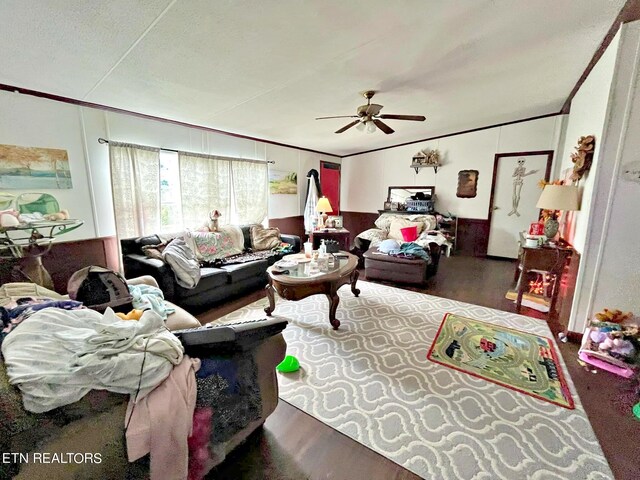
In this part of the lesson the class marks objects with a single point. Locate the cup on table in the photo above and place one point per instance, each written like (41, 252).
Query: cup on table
(308, 249)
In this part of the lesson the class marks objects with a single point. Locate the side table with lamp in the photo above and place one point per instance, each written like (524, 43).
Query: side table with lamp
(550, 258)
(324, 231)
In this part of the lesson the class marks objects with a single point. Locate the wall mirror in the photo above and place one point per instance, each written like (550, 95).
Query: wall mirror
(402, 194)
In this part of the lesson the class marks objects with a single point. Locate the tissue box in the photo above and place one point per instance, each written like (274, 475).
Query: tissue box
(332, 246)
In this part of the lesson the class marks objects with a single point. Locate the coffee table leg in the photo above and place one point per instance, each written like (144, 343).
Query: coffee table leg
(354, 278)
(334, 300)
(272, 300)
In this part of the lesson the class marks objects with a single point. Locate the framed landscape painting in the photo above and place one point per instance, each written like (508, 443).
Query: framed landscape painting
(283, 182)
(33, 168)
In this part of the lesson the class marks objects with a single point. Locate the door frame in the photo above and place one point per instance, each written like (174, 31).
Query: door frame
(322, 162)
(497, 157)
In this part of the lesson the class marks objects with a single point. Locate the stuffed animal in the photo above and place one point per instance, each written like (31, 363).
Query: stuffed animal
(61, 215)
(134, 314)
(9, 218)
(213, 220)
(613, 316)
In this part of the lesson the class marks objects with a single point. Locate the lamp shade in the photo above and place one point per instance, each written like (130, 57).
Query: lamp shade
(323, 205)
(559, 197)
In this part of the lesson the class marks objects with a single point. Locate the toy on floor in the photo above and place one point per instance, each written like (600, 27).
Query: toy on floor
(288, 365)
(613, 316)
(611, 345)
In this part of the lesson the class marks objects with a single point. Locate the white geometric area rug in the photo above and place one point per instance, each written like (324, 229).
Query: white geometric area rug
(371, 381)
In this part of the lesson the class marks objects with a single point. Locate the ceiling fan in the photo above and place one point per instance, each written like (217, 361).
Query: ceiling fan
(368, 117)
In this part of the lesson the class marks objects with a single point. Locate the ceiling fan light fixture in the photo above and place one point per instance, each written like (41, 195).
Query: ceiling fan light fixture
(371, 127)
(361, 126)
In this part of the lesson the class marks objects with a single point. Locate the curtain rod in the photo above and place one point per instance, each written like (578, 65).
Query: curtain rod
(103, 141)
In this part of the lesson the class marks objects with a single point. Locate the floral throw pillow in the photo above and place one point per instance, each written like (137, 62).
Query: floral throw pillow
(373, 235)
(210, 246)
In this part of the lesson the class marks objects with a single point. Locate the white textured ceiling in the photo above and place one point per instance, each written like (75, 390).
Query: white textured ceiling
(267, 68)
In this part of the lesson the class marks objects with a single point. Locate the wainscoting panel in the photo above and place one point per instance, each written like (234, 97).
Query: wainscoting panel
(473, 237)
(358, 222)
(65, 258)
(290, 226)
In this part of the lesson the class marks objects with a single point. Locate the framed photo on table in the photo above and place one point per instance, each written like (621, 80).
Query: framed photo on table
(335, 220)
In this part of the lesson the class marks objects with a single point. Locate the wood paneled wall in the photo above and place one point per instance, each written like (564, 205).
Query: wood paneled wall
(473, 237)
(65, 258)
(290, 225)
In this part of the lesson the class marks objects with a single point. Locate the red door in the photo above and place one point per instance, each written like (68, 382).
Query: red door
(330, 184)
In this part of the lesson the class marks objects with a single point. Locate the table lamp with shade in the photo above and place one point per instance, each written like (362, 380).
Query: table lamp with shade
(557, 198)
(323, 207)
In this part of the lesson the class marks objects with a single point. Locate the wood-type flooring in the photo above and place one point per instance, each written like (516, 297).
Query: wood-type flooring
(294, 446)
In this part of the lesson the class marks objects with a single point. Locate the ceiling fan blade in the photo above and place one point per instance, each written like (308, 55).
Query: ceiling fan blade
(347, 127)
(339, 116)
(383, 126)
(415, 118)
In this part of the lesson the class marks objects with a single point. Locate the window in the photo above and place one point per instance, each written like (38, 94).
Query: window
(159, 191)
(170, 204)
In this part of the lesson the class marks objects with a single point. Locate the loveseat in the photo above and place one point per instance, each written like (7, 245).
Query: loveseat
(86, 440)
(217, 283)
(387, 226)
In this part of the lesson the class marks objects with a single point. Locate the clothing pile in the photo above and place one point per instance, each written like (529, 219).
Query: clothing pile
(82, 350)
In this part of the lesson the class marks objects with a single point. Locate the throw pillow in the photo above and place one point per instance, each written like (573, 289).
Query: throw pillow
(264, 238)
(183, 262)
(398, 223)
(154, 251)
(383, 222)
(374, 234)
(210, 246)
(429, 221)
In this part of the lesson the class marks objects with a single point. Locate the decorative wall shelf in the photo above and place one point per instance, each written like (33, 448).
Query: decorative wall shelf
(418, 166)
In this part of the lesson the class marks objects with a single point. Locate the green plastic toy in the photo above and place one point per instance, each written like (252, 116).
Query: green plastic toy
(288, 365)
(636, 410)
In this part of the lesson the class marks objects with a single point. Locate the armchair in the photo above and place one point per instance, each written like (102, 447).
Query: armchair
(92, 430)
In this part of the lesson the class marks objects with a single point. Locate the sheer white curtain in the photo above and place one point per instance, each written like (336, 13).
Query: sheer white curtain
(135, 183)
(250, 184)
(205, 182)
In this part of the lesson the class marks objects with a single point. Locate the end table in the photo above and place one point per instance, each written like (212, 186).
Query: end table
(340, 235)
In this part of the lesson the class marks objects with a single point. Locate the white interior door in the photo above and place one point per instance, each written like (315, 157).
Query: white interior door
(515, 195)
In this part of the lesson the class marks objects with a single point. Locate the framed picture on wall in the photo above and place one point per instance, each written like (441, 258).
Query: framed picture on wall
(467, 184)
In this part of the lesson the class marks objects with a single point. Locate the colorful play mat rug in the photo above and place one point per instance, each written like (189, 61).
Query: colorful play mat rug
(517, 360)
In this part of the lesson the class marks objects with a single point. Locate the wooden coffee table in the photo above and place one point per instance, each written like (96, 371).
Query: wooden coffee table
(299, 283)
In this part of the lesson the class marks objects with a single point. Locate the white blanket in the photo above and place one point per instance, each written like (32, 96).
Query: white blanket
(56, 356)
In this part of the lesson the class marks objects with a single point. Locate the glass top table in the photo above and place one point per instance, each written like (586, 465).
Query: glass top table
(305, 268)
(302, 281)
